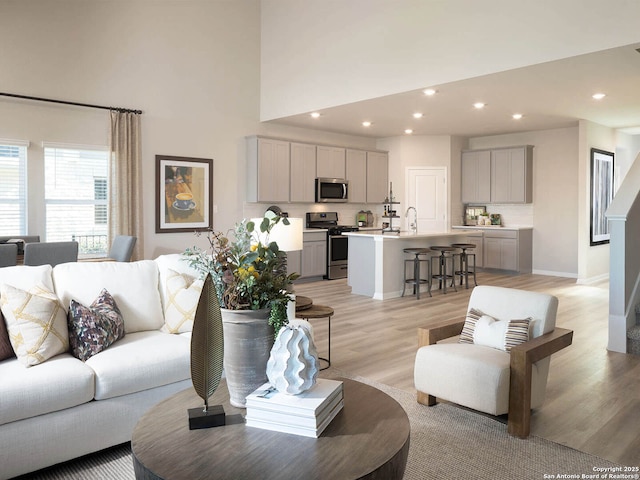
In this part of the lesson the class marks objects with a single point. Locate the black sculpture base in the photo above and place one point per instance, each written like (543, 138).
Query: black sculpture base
(213, 417)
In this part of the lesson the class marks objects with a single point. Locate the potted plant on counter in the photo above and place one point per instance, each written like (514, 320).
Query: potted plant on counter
(251, 279)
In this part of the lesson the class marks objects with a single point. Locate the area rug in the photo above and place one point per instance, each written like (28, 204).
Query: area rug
(447, 442)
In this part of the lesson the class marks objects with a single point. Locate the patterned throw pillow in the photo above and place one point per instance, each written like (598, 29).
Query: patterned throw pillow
(36, 323)
(466, 336)
(484, 330)
(94, 328)
(183, 293)
(5, 345)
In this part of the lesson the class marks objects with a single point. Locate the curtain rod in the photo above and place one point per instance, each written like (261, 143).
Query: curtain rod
(64, 102)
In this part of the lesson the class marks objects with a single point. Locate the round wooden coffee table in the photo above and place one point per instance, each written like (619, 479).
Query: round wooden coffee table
(368, 439)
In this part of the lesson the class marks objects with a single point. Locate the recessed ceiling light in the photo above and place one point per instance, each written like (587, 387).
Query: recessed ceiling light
(479, 105)
(417, 115)
(429, 92)
(315, 114)
(598, 96)
(366, 124)
(408, 131)
(516, 116)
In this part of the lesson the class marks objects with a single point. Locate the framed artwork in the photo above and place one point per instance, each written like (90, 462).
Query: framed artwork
(601, 195)
(184, 194)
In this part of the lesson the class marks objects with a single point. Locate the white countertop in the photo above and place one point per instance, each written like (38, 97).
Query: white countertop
(405, 234)
(492, 227)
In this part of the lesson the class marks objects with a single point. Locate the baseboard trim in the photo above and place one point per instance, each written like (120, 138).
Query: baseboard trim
(551, 273)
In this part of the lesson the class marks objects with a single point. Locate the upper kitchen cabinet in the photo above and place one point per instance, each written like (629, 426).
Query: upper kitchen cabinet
(377, 176)
(330, 162)
(511, 175)
(476, 176)
(501, 175)
(268, 170)
(357, 175)
(303, 172)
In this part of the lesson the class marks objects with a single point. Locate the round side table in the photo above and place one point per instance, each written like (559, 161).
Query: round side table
(319, 311)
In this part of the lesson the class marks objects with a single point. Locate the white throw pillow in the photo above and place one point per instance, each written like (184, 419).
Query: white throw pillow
(36, 322)
(500, 334)
(182, 295)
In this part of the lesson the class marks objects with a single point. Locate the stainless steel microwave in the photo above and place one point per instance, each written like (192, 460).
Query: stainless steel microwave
(332, 190)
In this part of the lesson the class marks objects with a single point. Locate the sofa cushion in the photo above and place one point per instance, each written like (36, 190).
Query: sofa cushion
(25, 277)
(182, 295)
(133, 285)
(36, 321)
(60, 382)
(141, 361)
(6, 350)
(94, 328)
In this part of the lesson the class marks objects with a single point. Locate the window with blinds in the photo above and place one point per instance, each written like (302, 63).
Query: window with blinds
(75, 192)
(13, 192)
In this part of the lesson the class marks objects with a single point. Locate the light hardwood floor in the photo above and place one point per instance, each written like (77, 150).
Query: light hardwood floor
(593, 395)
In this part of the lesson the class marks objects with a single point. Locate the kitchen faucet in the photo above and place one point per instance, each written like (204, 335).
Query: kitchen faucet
(413, 226)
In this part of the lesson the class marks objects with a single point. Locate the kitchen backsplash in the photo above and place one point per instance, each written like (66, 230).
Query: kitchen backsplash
(346, 211)
(511, 215)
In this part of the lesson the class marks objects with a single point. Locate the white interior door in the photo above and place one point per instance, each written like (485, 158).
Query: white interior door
(427, 192)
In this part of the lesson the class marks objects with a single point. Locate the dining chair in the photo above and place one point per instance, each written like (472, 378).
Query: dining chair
(8, 254)
(50, 253)
(122, 248)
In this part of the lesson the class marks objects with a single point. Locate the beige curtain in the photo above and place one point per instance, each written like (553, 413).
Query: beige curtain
(125, 199)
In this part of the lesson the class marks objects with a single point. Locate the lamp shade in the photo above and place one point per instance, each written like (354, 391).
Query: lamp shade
(288, 237)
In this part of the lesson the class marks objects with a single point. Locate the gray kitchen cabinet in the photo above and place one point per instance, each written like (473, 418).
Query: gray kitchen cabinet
(377, 177)
(511, 175)
(508, 250)
(330, 162)
(303, 173)
(476, 176)
(311, 261)
(500, 175)
(357, 175)
(268, 173)
(477, 239)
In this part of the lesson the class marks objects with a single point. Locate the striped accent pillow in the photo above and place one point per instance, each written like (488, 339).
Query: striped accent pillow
(466, 336)
(517, 333)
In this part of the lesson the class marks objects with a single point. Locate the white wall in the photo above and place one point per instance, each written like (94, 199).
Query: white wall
(332, 52)
(417, 151)
(593, 261)
(192, 66)
(555, 196)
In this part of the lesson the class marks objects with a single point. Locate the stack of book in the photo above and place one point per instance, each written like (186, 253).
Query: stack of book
(306, 414)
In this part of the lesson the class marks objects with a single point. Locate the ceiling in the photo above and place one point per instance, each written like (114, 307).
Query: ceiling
(549, 95)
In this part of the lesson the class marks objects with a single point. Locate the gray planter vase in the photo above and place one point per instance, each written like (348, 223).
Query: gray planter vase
(248, 339)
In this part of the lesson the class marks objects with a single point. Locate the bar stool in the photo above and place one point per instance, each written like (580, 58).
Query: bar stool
(464, 263)
(417, 280)
(444, 274)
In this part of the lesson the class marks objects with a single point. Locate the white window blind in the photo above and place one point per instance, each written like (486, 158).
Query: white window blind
(76, 196)
(13, 195)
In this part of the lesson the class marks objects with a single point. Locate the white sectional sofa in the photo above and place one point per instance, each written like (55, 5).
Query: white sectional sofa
(64, 408)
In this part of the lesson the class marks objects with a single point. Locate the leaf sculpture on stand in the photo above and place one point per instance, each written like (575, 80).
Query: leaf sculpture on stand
(207, 354)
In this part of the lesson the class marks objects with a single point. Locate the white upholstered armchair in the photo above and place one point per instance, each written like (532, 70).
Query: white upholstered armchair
(488, 373)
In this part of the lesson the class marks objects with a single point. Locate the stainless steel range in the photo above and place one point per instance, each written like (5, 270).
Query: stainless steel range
(337, 244)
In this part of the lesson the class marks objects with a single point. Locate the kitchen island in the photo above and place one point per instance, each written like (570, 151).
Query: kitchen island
(376, 259)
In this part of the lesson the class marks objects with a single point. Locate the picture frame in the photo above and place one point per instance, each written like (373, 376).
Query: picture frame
(602, 164)
(184, 194)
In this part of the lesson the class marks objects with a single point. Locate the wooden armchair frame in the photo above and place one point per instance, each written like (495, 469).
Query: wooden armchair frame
(522, 357)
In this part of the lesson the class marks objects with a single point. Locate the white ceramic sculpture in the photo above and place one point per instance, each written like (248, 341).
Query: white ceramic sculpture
(293, 364)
